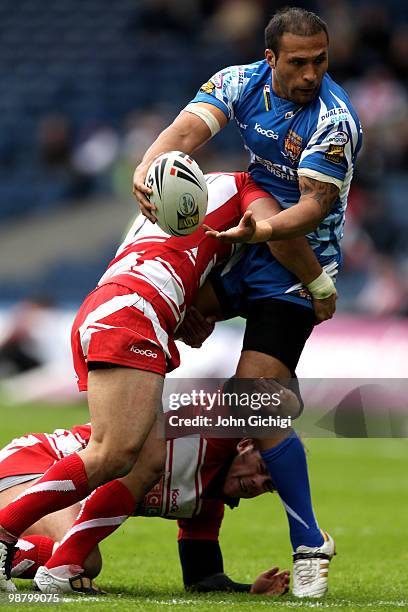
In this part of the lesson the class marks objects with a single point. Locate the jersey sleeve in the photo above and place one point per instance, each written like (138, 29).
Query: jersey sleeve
(204, 526)
(330, 153)
(222, 90)
(249, 190)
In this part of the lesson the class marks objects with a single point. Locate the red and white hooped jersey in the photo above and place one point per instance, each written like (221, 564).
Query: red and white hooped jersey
(192, 464)
(168, 271)
(183, 492)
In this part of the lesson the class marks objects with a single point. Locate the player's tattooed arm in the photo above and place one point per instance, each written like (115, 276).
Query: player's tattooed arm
(315, 203)
(323, 194)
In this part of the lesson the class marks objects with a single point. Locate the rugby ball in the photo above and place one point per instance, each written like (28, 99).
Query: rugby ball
(179, 193)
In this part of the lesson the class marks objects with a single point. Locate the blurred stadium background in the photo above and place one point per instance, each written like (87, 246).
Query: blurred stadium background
(85, 88)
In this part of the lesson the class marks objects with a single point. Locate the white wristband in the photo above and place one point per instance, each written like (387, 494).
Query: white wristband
(322, 287)
(206, 115)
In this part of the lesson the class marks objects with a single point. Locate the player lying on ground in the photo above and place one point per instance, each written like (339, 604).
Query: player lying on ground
(204, 474)
(123, 344)
(303, 137)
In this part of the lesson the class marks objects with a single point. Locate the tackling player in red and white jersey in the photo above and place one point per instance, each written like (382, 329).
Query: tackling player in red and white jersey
(201, 475)
(167, 273)
(123, 344)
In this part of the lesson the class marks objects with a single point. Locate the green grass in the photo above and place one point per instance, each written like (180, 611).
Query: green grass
(360, 490)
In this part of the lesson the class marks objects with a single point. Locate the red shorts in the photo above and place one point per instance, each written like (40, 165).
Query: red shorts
(117, 325)
(23, 457)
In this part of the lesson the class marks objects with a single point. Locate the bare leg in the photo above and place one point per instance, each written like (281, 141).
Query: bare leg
(148, 468)
(109, 506)
(123, 403)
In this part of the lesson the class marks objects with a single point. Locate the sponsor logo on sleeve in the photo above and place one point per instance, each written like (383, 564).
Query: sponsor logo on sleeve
(208, 87)
(217, 80)
(336, 115)
(336, 142)
(335, 154)
(292, 146)
(339, 138)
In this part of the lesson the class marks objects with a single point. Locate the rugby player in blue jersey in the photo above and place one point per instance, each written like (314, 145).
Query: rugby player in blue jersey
(303, 136)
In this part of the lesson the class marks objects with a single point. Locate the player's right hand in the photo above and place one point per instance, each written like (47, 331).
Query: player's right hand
(325, 309)
(140, 190)
(243, 232)
(271, 582)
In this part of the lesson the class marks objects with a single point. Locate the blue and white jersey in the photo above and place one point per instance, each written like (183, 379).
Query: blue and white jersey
(319, 140)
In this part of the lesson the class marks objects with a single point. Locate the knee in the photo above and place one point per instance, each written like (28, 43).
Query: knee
(120, 462)
(153, 456)
(155, 465)
(93, 564)
(111, 462)
(153, 471)
(149, 469)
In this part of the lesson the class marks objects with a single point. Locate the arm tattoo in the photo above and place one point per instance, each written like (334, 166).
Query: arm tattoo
(324, 194)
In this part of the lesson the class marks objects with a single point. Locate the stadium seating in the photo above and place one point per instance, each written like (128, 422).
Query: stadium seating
(91, 64)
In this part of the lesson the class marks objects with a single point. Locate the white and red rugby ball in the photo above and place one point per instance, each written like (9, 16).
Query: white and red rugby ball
(179, 193)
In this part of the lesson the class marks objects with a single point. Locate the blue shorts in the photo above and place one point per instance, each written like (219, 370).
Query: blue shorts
(258, 275)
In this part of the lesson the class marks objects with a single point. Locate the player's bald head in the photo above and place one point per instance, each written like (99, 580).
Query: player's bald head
(292, 20)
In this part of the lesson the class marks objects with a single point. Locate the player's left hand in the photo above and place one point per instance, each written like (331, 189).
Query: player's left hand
(271, 582)
(325, 309)
(195, 328)
(243, 232)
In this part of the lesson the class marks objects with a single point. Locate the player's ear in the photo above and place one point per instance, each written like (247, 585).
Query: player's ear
(270, 57)
(245, 445)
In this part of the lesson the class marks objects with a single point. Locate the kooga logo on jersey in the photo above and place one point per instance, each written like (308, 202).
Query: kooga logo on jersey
(267, 133)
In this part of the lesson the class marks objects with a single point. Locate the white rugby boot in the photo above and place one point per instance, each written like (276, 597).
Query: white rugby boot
(65, 579)
(311, 568)
(7, 551)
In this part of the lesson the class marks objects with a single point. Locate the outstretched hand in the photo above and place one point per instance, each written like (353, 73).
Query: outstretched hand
(243, 232)
(271, 582)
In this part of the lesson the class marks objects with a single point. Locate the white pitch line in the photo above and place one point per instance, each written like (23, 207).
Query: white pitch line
(281, 604)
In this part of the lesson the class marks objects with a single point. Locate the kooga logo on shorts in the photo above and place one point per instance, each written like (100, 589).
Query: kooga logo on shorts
(146, 353)
(267, 133)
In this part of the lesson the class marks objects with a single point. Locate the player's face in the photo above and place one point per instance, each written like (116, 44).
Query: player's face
(248, 475)
(300, 66)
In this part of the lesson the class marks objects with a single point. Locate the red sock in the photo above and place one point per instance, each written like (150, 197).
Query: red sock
(32, 552)
(101, 514)
(64, 484)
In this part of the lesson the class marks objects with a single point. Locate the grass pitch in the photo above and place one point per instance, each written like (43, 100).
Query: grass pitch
(360, 490)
